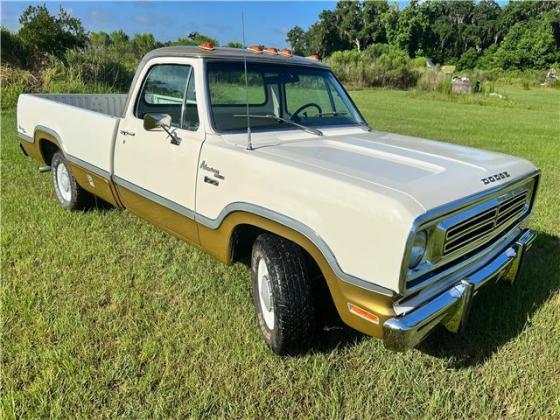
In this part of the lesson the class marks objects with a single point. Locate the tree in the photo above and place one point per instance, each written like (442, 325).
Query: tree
(484, 26)
(350, 23)
(373, 28)
(324, 37)
(411, 29)
(520, 12)
(466, 32)
(390, 20)
(42, 33)
(297, 39)
(533, 44)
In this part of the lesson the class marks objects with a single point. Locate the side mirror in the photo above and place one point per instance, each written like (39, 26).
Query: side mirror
(153, 121)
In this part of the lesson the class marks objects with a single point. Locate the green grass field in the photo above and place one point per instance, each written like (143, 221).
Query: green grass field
(104, 315)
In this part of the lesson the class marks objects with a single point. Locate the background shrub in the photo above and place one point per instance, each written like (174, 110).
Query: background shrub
(380, 65)
(13, 82)
(434, 81)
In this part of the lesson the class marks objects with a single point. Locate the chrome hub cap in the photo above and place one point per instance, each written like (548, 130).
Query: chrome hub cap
(265, 294)
(63, 182)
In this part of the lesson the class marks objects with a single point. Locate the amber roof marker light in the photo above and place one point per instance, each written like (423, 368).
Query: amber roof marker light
(207, 45)
(315, 57)
(271, 50)
(286, 52)
(257, 49)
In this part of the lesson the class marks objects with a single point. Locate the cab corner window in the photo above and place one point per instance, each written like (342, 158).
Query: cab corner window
(163, 91)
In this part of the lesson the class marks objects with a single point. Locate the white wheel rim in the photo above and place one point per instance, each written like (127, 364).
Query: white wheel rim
(63, 182)
(265, 294)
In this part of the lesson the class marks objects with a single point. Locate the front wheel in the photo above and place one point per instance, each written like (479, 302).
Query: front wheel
(282, 294)
(69, 194)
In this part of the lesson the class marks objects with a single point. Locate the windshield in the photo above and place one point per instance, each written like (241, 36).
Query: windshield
(311, 97)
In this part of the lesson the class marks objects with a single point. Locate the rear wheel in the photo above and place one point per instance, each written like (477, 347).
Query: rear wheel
(282, 294)
(69, 194)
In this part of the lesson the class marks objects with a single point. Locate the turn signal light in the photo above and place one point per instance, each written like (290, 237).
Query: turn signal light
(362, 313)
(315, 57)
(286, 52)
(207, 45)
(272, 51)
(258, 49)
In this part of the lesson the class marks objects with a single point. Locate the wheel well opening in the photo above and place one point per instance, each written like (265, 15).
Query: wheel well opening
(242, 240)
(48, 149)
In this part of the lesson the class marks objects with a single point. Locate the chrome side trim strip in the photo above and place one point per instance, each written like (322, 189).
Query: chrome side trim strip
(154, 197)
(88, 166)
(298, 227)
(263, 212)
(25, 137)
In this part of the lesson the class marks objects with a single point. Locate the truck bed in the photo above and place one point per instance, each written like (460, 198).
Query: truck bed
(84, 124)
(109, 104)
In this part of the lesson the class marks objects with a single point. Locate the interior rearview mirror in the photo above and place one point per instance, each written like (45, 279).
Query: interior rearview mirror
(153, 121)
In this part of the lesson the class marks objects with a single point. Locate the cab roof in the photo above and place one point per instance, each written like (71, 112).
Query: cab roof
(230, 54)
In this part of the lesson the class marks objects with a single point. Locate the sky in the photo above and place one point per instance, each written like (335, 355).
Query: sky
(265, 22)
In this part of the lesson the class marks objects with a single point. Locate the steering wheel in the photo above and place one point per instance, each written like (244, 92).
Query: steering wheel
(301, 108)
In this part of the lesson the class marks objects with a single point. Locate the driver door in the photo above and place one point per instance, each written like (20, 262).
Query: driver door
(155, 176)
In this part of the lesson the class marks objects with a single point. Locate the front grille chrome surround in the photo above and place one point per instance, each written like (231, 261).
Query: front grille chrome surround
(485, 223)
(468, 227)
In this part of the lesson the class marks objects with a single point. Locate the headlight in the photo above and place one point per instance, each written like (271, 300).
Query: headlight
(418, 249)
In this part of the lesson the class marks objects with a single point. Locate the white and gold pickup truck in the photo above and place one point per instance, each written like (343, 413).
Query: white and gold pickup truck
(260, 156)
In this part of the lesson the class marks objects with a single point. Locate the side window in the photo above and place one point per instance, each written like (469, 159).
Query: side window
(190, 114)
(163, 91)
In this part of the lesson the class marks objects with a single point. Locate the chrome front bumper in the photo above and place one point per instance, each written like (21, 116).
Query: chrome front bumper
(451, 308)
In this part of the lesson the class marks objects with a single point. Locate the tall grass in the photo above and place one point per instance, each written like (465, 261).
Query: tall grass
(82, 71)
(13, 82)
(434, 81)
(54, 79)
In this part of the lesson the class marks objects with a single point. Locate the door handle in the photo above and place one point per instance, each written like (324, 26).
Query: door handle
(127, 133)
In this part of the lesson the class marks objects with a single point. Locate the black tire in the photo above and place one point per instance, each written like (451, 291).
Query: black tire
(294, 322)
(79, 198)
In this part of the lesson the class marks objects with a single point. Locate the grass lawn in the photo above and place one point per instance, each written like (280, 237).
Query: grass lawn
(104, 315)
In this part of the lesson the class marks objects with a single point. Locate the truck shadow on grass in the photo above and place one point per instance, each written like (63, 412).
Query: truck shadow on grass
(99, 205)
(501, 312)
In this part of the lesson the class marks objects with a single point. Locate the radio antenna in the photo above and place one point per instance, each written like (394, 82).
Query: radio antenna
(249, 142)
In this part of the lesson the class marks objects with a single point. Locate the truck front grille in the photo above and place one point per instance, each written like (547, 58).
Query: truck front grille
(486, 223)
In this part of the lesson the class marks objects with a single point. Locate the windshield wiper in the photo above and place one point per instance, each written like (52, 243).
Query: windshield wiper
(274, 117)
(329, 114)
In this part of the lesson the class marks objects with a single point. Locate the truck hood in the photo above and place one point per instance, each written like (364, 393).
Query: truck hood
(431, 173)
